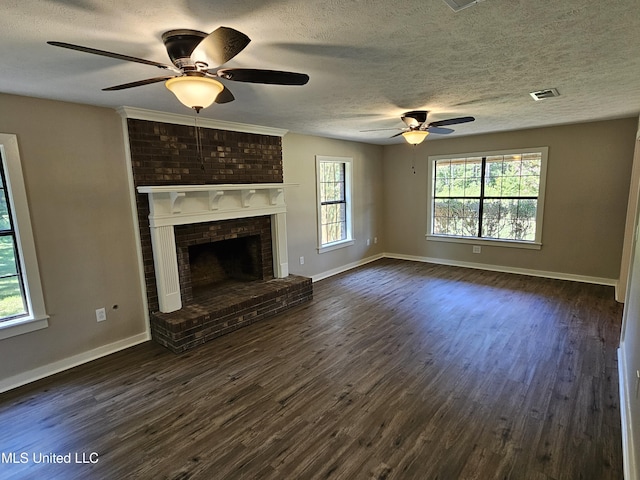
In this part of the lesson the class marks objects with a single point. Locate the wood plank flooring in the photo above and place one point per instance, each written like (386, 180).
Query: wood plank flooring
(396, 370)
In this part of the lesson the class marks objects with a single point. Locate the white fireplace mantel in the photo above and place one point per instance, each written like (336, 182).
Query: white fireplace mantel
(172, 205)
(183, 204)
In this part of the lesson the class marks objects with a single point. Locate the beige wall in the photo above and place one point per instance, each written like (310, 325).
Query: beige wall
(588, 176)
(298, 152)
(76, 179)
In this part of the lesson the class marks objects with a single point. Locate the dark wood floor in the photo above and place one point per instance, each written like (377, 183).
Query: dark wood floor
(396, 370)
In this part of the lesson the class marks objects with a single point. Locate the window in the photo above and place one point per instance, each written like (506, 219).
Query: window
(493, 196)
(12, 296)
(21, 300)
(334, 202)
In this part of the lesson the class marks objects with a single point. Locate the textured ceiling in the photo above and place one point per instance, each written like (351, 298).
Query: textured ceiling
(369, 60)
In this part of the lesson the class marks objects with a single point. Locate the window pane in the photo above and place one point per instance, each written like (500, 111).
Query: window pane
(513, 175)
(523, 222)
(456, 213)
(531, 165)
(471, 182)
(529, 186)
(332, 182)
(458, 177)
(334, 222)
(440, 216)
(493, 177)
(5, 222)
(472, 187)
(442, 182)
(493, 218)
(470, 217)
(509, 219)
(456, 216)
(11, 299)
(334, 192)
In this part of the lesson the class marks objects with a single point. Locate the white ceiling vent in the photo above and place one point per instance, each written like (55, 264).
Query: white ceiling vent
(543, 94)
(458, 5)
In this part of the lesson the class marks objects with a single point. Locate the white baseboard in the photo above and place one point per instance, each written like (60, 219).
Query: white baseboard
(344, 268)
(499, 268)
(610, 282)
(70, 362)
(628, 452)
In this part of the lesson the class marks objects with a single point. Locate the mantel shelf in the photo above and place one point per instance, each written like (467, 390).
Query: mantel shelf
(183, 204)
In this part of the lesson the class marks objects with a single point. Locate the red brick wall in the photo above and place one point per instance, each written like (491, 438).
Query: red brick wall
(166, 154)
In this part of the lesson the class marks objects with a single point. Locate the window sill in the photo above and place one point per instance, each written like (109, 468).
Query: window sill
(19, 326)
(336, 245)
(486, 241)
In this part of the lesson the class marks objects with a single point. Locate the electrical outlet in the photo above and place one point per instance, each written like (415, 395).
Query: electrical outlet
(101, 314)
(477, 249)
(368, 242)
(375, 239)
(301, 260)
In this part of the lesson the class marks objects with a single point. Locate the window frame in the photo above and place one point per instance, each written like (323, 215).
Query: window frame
(535, 244)
(347, 162)
(36, 318)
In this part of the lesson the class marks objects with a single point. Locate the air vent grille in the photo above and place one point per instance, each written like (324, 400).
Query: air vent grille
(543, 94)
(457, 5)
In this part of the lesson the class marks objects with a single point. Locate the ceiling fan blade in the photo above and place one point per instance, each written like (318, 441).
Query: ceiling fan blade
(139, 83)
(272, 77)
(381, 129)
(451, 121)
(225, 96)
(439, 130)
(220, 46)
(396, 135)
(105, 53)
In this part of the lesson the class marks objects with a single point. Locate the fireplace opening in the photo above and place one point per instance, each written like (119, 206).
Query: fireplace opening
(225, 261)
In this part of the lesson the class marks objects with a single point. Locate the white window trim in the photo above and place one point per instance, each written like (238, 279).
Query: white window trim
(37, 318)
(348, 172)
(536, 244)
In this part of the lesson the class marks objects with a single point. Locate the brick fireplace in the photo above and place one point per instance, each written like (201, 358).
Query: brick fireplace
(212, 230)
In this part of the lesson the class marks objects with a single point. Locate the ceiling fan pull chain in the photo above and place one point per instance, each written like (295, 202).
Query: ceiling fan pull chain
(199, 142)
(413, 161)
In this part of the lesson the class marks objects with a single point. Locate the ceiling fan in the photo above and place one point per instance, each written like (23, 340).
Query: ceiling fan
(196, 57)
(417, 128)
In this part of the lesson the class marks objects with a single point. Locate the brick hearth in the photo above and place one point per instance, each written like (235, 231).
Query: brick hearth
(231, 307)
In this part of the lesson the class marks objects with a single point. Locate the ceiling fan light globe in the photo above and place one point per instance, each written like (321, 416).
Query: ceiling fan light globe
(195, 92)
(414, 137)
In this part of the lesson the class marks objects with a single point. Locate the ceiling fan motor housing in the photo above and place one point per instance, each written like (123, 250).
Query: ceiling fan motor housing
(180, 44)
(419, 115)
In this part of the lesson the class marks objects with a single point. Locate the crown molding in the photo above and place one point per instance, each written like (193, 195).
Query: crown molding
(177, 119)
